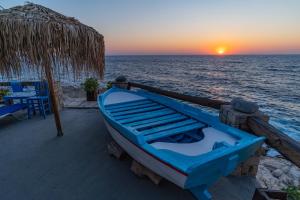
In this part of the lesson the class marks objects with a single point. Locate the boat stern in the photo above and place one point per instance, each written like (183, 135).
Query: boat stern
(204, 175)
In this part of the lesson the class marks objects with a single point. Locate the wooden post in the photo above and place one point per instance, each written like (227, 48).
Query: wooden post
(288, 147)
(58, 95)
(53, 99)
(237, 119)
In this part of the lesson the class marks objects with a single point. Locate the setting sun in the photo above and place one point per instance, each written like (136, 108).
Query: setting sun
(221, 50)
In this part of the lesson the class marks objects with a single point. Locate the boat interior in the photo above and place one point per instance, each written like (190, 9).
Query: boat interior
(165, 128)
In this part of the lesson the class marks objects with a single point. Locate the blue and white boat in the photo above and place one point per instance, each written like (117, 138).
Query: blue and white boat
(179, 142)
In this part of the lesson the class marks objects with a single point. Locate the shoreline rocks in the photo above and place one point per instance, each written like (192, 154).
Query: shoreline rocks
(277, 173)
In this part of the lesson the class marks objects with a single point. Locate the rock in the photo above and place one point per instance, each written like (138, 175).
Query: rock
(296, 183)
(121, 78)
(273, 163)
(277, 173)
(244, 106)
(282, 186)
(265, 178)
(286, 169)
(285, 179)
(295, 173)
(121, 82)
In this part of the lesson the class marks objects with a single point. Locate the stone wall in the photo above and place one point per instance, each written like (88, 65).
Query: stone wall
(229, 115)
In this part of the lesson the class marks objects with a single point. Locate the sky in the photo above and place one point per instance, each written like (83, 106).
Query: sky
(139, 27)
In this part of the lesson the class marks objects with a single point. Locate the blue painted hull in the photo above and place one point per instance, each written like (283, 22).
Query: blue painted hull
(175, 134)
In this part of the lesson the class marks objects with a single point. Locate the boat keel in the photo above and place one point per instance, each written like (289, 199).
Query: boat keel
(201, 193)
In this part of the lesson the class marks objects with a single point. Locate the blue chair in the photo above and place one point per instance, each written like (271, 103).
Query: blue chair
(9, 110)
(16, 86)
(40, 102)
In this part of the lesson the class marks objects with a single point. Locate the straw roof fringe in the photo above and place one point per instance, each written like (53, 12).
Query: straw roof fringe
(33, 35)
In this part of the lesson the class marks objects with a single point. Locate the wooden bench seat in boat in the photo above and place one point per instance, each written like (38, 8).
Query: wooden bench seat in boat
(151, 119)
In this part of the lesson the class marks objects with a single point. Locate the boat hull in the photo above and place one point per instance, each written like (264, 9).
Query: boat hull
(148, 160)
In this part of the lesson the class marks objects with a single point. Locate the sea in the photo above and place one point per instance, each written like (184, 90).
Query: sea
(272, 81)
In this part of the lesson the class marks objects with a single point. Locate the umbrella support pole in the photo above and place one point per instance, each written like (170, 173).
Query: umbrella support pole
(53, 100)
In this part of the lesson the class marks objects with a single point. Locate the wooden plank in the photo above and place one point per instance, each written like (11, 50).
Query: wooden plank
(285, 145)
(174, 131)
(125, 104)
(141, 110)
(165, 121)
(140, 170)
(146, 121)
(115, 150)
(148, 116)
(197, 100)
(169, 126)
(132, 107)
(162, 111)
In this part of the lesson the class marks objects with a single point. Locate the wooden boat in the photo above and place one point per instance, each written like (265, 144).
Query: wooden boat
(179, 142)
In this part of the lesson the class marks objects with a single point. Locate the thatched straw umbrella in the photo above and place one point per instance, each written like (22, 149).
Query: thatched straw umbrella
(42, 39)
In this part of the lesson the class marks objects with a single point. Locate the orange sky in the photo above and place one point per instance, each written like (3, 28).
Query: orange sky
(194, 45)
